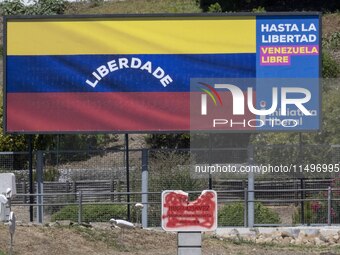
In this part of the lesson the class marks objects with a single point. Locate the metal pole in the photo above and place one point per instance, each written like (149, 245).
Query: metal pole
(251, 198)
(329, 205)
(145, 187)
(127, 175)
(58, 145)
(302, 184)
(80, 207)
(30, 175)
(40, 187)
(251, 187)
(245, 207)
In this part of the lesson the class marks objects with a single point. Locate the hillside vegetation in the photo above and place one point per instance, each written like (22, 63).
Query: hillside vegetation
(134, 7)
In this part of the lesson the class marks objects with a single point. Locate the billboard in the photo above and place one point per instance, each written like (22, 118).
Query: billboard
(134, 73)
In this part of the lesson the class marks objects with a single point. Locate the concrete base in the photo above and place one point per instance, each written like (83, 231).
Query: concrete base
(189, 251)
(189, 243)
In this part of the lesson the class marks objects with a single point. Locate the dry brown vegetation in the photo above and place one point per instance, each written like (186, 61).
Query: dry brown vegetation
(102, 240)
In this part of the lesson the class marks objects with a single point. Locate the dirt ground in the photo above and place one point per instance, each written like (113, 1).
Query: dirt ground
(76, 240)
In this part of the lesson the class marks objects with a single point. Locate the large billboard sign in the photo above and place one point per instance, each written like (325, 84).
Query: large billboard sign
(159, 73)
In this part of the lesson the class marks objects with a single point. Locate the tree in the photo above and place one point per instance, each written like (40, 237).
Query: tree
(39, 7)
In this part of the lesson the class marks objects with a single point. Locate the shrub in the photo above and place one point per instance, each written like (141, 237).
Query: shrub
(332, 41)
(233, 215)
(12, 7)
(330, 68)
(216, 7)
(171, 170)
(259, 9)
(50, 174)
(317, 211)
(96, 3)
(91, 213)
(40, 7)
(310, 215)
(49, 7)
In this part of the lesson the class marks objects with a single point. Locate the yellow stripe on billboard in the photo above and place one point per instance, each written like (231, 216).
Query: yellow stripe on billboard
(166, 35)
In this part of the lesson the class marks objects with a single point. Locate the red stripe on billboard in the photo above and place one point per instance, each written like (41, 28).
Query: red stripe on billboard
(133, 111)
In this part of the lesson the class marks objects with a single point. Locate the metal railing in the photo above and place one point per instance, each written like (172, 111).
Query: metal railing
(322, 208)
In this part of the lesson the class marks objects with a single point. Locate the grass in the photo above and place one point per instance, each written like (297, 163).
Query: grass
(134, 7)
(108, 237)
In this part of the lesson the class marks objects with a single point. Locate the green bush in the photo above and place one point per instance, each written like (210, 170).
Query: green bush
(233, 215)
(12, 7)
(91, 213)
(40, 7)
(308, 215)
(330, 68)
(332, 41)
(96, 3)
(171, 171)
(49, 7)
(50, 174)
(316, 211)
(216, 7)
(259, 9)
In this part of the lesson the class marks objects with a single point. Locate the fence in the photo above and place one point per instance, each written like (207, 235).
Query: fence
(81, 206)
(101, 177)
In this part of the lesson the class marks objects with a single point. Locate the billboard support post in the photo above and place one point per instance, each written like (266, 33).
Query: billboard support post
(302, 184)
(251, 186)
(145, 188)
(127, 175)
(30, 175)
(40, 186)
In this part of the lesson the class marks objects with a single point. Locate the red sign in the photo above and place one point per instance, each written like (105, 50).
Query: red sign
(179, 214)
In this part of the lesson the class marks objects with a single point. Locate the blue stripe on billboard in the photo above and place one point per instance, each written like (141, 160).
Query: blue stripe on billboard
(122, 73)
